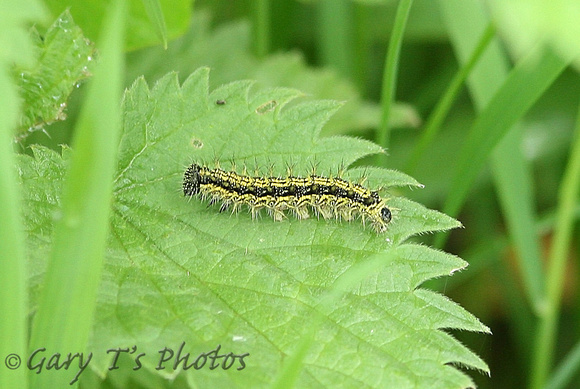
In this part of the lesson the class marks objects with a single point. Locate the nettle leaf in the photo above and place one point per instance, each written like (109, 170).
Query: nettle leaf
(178, 270)
(63, 58)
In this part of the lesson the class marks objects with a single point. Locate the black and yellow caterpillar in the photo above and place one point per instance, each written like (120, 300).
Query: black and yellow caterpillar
(327, 196)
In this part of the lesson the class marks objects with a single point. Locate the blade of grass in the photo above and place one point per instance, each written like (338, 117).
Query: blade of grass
(466, 21)
(435, 120)
(335, 45)
(361, 46)
(566, 370)
(484, 83)
(514, 187)
(67, 300)
(548, 325)
(389, 75)
(547, 221)
(520, 316)
(261, 27)
(155, 14)
(463, 18)
(13, 293)
(524, 85)
(13, 275)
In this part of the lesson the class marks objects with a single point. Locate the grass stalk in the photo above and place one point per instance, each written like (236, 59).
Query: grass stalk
(13, 281)
(435, 120)
(67, 300)
(389, 84)
(564, 373)
(335, 35)
(261, 27)
(556, 270)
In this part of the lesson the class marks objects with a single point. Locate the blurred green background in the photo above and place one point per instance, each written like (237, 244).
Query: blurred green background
(495, 160)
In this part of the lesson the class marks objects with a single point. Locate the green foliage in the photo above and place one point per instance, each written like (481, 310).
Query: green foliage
(314, 302)
(67, 300)
(15, 43)
(178, 271)
(144, 22)
(227, 50)
(63, 57)
(551, 23)
(155, 13)
(16, 48)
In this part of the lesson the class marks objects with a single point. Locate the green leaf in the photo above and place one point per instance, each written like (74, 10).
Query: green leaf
(155, 13)
(227, 50)
(177, 270)
(15, 40)
(63, 58)
(89, 15)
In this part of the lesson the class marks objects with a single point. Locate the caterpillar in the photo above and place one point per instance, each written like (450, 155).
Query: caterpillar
(328, 197)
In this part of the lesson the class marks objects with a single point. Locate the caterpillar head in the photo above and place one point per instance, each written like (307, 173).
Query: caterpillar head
(191, 180)
(386, 215)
